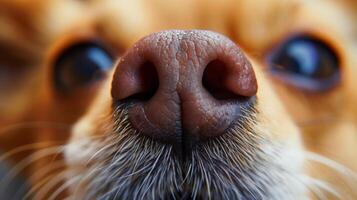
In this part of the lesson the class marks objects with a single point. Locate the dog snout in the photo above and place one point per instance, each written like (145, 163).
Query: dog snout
(184, 86)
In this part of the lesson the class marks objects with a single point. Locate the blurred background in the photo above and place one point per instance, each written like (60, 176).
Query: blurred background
(55, 54)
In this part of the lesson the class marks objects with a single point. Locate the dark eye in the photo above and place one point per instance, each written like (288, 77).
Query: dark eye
(306, 63)
(81, 65)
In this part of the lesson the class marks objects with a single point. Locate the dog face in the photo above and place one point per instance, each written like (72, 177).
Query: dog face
(299, 54)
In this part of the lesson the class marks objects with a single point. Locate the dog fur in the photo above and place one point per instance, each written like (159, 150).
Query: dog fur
(310, 135)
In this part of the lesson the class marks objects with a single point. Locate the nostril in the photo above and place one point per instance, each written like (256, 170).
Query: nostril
(147, 80)
(138, 83)
(215, 78)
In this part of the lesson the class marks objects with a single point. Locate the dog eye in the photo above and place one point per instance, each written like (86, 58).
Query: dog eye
(306, 63)
(80, 66)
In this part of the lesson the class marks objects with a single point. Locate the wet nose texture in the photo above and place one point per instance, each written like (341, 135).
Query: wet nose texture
(182, 87)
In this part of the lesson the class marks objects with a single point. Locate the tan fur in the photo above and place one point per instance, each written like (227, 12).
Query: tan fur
(33, 34)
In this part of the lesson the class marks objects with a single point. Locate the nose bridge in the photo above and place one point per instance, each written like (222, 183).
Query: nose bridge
(180, 59)
(190, 70)
(161, 51)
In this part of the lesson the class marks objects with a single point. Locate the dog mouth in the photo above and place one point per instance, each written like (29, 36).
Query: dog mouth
(235, 165)
(183, 142)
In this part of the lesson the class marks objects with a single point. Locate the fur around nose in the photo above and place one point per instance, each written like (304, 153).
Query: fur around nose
(183, 85)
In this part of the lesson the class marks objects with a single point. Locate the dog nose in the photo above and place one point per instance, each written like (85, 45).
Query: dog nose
(184, 86)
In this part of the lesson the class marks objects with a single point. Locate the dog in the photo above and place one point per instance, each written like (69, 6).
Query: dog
(179, 100)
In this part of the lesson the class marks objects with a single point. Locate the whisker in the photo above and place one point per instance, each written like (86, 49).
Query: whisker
(87, 175)
(106, 147)
(206, 178)
(316, 191)
(346, 173)
(93, 171)
(23, 148)
(43, 176)
(36, 187)
(26, 162)
(322, 185)
(154, 165)
(41, 194)
(34, 124)
(63, 187)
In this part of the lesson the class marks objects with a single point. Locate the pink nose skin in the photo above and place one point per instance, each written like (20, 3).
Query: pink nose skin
(184, 86)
